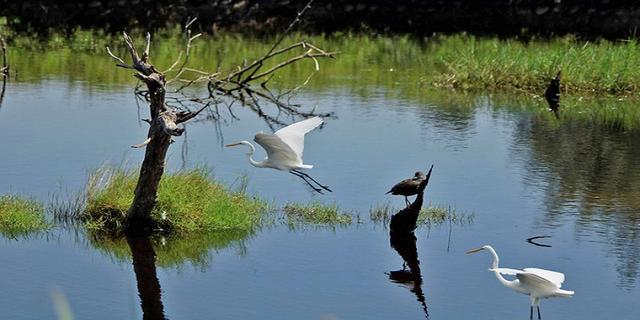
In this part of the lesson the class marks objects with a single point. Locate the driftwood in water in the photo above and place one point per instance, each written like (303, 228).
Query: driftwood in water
(552, 94)
(405, 220)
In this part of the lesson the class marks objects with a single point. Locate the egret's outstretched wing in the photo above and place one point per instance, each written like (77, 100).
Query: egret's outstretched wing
(507, 271)
(555, 277)
(536, 283)
(293, 135)
(278, 152)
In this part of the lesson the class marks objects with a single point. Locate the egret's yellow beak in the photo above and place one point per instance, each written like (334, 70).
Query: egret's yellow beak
(233, 144)
(474, 250)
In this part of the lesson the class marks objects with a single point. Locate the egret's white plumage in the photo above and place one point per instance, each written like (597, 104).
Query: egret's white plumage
(284, 149)
(534, 282)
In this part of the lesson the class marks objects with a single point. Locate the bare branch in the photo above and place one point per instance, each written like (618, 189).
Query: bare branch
(121, 62)
(145, 54)
(146, 142)
(4, 70)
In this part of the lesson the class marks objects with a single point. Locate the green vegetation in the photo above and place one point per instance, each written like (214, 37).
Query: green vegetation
(188, 201)
(315, 213)
(431, 216)
(588, 68)
(457, 61)
(599, 81)
(19, 216)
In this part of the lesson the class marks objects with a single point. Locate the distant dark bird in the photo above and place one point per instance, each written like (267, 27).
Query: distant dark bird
(410, 187)
(552, 94)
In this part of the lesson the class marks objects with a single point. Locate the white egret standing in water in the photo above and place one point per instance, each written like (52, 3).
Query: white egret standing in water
(536, 283)
(284, 150)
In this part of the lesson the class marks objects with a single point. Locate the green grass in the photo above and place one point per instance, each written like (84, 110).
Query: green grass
(315, 213)
(20, 216)
(452, 61)
(588, 68)
(431, 216)
(188, 201)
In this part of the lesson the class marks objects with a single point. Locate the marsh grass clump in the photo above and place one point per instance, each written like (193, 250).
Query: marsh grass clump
(20, 216)
(315, 213)
(431, 216)
(188, 201)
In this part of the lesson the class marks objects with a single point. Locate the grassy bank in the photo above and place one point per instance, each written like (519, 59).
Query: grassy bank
(456, 61)
(188, 201)
(20, 216)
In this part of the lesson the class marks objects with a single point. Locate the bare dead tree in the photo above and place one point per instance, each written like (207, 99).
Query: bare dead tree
(246, 84)
(4, 70)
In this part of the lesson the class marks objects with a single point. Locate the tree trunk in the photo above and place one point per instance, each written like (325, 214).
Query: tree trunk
(163, 124)
(152, 168)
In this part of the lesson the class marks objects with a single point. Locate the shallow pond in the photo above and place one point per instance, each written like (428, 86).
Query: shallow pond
(519, 173)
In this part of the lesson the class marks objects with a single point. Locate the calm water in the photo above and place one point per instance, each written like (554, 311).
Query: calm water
(520, 175)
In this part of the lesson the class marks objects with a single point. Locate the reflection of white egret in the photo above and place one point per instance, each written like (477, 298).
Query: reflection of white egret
(284, 150)
(536, 283)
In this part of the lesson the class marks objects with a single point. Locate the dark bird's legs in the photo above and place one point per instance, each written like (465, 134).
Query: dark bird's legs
(406, 201)
(538, 307)
(531, 313)
(304, 175)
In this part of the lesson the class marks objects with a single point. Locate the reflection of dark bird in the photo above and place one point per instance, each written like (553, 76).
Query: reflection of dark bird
(552, 94)
(408, 187)
(405, 220)
(405, 244)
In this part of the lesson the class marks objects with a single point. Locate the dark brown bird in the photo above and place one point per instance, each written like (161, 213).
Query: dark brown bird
(552, 94)
(409, 187)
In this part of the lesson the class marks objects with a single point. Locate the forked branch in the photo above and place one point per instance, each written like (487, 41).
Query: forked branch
(247, 83)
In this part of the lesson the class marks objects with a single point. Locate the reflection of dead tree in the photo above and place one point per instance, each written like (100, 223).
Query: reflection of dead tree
(144, 266)
(247, 84)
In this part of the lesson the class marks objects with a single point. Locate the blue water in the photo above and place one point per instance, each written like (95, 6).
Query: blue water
(493, 163)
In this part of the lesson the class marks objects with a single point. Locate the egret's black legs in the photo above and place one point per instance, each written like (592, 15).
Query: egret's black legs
(531, 313)
(312, 179)
(295, 173)
(538, 307)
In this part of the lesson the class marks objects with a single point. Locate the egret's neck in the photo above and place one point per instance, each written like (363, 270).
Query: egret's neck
(496, 259)
(494, 265)
(255, 163)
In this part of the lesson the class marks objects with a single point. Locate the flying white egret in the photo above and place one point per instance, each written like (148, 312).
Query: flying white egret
(536, 283)
(284, 150)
